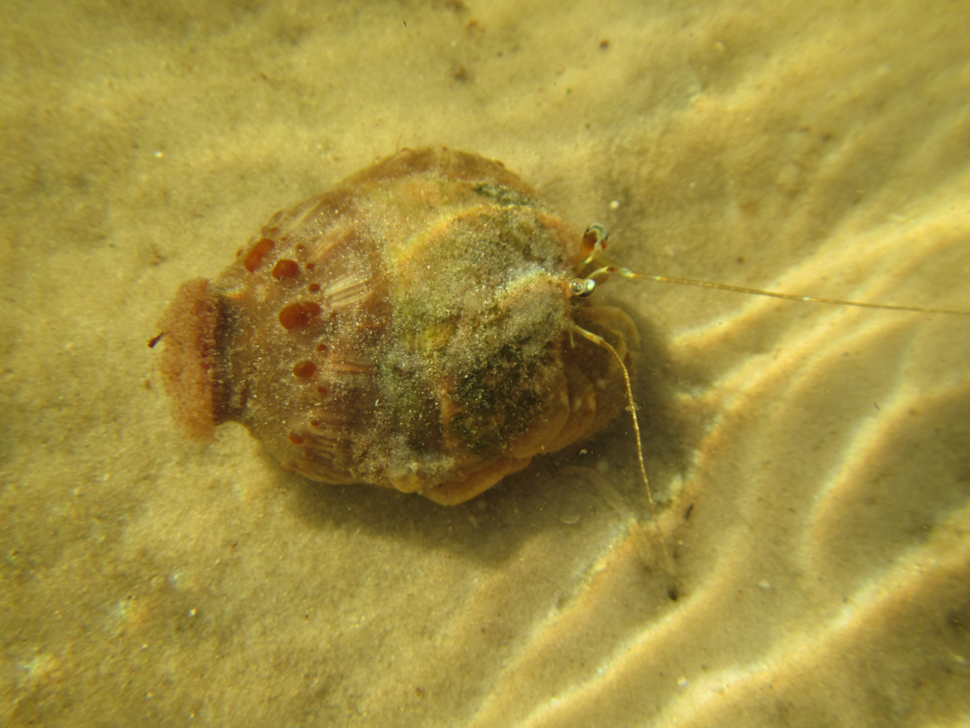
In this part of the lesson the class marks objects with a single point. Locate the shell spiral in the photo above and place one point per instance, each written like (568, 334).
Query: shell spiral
(410, 328)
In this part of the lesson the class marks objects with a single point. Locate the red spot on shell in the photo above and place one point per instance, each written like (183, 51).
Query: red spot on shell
(314, 423)
(305, 369)
(322, 390)
(258, 252)
(297, 439)
(323, 348)
(299, 315)
(286, 269)
(314, 287)
(311, 266)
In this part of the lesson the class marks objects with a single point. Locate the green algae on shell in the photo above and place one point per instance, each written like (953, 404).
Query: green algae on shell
(411, 328)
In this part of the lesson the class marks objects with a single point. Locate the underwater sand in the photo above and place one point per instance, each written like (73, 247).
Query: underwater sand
(812, 462)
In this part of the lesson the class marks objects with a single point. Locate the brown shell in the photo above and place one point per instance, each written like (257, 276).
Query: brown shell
(409, 328)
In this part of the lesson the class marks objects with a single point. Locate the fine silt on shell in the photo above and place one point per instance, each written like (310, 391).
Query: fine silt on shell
(412, 328)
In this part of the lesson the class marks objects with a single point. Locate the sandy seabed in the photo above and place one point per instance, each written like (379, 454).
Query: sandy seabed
(812, 463)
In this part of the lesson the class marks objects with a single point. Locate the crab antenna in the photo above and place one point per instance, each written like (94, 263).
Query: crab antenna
(627, 273)
(596, 235)
(593, 242)
(600, 341)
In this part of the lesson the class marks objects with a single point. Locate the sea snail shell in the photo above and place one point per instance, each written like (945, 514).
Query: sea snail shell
(412, 328)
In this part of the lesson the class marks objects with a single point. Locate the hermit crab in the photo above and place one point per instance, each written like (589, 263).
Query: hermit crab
(425, 326)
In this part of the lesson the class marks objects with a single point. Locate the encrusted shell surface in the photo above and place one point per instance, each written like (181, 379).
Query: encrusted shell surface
(410, 328)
